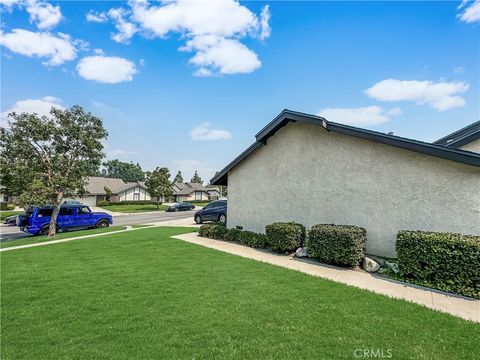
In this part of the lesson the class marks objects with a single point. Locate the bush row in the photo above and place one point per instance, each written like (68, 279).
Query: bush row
(333, 244)
(446, 261)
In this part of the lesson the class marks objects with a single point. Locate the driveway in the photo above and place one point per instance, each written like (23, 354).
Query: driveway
(11, 232)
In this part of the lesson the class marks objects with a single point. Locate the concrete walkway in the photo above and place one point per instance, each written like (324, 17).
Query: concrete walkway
(462, 307)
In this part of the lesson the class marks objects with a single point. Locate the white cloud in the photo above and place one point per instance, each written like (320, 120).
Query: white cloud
(205, 132)
(361, 116)
(212, 31)
(439, 95)
(470, 13)
(106, 69)
(44, 14)
(9, 4)
(265, 29)
(40, 106)
(93, 16)
(229, 56)
(458, 69)
(125, 28)
(56, 48)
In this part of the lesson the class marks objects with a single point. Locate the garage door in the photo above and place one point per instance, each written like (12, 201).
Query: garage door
(90, 200)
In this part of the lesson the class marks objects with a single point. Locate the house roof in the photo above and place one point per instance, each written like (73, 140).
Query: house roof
(96, 185)
(461, 137)
(187, 188)
(287, 116)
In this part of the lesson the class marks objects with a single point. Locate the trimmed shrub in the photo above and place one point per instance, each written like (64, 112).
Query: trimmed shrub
(102, 203)
(233, 235)
(10, 206)
(212, 231)
(252, 239)
(285, 237)
(446, 261)
(337, 244)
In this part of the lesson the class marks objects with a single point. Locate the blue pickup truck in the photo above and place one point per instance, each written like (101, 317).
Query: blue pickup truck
(36, 220)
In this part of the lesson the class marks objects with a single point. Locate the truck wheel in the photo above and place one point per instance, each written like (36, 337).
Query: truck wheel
(44, 230)
(102, 224)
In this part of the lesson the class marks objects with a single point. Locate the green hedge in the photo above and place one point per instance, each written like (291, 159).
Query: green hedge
(252, 239)
(285, 237)
(213, 231)
(337, 244)
(446, 261)
(233, 235)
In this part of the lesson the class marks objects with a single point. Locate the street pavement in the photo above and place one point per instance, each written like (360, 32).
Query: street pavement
(12, 232)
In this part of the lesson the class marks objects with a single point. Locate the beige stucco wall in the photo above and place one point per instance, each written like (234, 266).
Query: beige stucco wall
(308, 175)
(473, 146)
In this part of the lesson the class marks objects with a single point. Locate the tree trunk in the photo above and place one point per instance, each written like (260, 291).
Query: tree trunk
(52, 229)
(158, 202)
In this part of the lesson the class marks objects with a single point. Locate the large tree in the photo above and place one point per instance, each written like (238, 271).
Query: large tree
(178, 177)
(128, 172)
(44, 159)
(196, 178)
(158, 184)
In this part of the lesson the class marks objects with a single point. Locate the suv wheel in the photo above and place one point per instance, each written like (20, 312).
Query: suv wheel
(198, 219)
(102, 224)
(222, 218)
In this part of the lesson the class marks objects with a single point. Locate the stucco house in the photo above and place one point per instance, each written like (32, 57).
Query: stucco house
(307, 169)
(121, 191)
(189, 192)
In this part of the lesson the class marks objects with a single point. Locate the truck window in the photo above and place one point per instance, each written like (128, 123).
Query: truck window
(65, 211)
(45, 212)
(83, 210)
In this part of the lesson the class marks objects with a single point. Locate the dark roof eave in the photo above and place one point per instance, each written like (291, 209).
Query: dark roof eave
(461, 137)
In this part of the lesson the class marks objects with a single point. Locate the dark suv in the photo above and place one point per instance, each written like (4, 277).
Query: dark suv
(215, 211)
(36, 220)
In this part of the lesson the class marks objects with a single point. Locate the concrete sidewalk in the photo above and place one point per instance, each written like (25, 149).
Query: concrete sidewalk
(462, 307)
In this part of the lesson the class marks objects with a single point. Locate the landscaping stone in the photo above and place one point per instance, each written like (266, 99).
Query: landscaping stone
(392, 266)
(377, 259)
(370, 265)
(301, 252)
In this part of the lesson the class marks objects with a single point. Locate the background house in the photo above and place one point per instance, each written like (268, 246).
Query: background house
(121, 191)
(326, 172)
(190, 192)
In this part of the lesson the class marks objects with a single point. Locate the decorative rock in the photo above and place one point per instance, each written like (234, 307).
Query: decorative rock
(392, 266)
(301, 252)
(379, 260)
(370, 265)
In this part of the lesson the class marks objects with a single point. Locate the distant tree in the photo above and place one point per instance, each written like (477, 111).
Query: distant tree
(158, 184)
(196, 178)
(178, 177)
(128, 172)
(44, 159)
(108, 193)
(223, 189)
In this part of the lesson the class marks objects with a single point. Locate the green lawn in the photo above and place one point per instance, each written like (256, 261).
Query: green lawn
(7, 213)
(134, 208)
(143, 295)
(62, 235)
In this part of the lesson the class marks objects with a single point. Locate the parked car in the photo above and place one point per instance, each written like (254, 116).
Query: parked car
(183, 206)
(36, 220)
(10, 220)
(215, 211)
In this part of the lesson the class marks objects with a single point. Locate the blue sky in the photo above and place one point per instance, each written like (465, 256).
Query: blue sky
(187, 86)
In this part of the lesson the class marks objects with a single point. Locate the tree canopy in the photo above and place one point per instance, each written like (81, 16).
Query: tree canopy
(178, 177)
(196, 178)
(158, 184)
(46, 158)
(128, 172)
